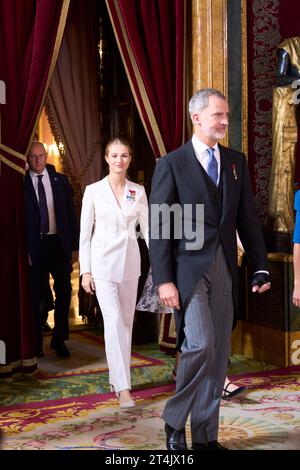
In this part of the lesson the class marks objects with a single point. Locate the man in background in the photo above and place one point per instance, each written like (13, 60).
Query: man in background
(52, 242)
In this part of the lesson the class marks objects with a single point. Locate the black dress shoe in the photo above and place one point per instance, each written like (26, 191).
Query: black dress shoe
(60, 347)
(175, 439)
(213, 445)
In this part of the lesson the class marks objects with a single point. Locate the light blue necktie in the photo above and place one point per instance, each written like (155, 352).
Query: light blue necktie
(212, 167)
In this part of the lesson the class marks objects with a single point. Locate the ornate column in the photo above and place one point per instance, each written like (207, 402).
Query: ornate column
(209, 48)
(209, 45)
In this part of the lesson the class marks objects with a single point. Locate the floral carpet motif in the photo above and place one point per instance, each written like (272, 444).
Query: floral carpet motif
(68, 407)
(85, 373)
(267, 415)
(90, 422)
(262, 418)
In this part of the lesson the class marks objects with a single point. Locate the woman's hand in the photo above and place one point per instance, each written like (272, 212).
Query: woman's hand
(88, 283)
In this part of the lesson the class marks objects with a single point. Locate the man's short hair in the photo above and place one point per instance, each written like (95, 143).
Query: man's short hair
(199, 100)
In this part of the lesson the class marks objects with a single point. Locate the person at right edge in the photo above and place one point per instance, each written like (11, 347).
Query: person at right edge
(296, 251)
(201, 281)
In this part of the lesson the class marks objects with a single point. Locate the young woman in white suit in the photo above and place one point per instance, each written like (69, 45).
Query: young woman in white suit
(110, 258)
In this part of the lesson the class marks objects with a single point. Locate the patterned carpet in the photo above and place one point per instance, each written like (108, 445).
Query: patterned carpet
(67, 405)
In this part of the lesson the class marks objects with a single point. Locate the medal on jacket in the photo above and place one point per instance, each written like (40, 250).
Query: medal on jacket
(234, 171)
(131, 195)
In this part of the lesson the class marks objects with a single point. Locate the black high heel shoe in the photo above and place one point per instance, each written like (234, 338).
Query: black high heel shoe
(227, 395)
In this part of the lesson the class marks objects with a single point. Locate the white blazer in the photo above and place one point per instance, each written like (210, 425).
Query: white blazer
(108, 247)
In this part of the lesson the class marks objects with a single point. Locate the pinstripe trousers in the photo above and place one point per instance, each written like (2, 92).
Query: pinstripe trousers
(204, 354)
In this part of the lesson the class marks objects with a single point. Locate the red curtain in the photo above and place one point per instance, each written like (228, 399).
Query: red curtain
(151, 38)
(30, 35)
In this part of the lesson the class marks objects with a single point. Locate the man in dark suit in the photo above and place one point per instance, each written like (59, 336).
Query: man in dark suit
(207, 186)
(52, 241)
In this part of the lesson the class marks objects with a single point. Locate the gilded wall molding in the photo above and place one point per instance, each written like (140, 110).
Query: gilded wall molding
(209, 46)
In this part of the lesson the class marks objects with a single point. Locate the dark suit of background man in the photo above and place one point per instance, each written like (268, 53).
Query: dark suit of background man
(201, 283)
(54, 251)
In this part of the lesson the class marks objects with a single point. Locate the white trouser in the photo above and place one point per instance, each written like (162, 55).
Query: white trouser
(117, 303)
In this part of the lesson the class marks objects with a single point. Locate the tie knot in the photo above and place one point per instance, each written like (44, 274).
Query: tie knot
(40, 177)
(211, 152)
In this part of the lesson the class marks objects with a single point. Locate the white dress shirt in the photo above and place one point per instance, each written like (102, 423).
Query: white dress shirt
(49, 197)
(203, 156)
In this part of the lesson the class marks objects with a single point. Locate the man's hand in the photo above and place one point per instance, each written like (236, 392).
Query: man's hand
(88, 283)
(168, 294)
(260, 282)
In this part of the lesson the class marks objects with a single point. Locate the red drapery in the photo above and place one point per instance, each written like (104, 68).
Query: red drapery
(30, 36)
(72, 104)
(151, 39)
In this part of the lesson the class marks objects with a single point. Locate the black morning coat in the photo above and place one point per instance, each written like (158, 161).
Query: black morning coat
(180, 178)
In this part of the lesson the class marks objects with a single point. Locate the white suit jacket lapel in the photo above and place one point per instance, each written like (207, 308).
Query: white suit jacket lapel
(111, 199)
